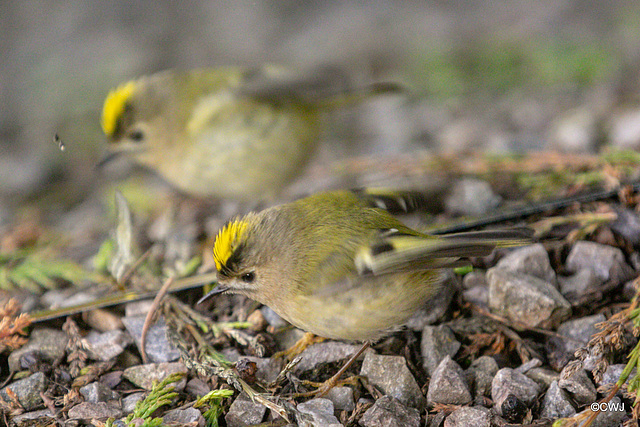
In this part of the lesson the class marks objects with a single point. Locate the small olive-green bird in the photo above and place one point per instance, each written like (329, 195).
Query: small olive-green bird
(338, 265)
(234, 132)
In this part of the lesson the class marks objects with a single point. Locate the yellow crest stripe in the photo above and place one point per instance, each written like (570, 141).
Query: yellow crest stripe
(226, 241)
(114, 106)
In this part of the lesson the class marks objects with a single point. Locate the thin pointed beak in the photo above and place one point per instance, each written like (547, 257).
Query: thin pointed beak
(215, 291)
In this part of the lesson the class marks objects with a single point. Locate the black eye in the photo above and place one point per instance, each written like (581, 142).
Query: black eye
(248, 277)
(136, 135)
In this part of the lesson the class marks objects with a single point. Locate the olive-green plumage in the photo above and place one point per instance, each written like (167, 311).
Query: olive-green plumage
(316, 263)
(232, 132)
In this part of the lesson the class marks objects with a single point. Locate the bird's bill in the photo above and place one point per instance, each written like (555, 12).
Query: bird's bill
(213, 292)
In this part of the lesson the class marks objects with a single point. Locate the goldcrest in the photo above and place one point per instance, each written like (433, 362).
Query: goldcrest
(339, 266)
(236, 133)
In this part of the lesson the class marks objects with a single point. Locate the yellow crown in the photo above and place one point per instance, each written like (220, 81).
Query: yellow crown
(114, 106)
(227, 241)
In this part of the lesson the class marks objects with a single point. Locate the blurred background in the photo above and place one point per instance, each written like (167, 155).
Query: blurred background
(495, 77)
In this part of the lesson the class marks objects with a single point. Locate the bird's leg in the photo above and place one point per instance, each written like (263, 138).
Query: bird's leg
(307, 339)
(323, 388)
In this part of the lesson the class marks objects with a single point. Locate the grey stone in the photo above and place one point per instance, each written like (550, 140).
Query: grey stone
(317, 413)
(579, 386)
(532, 260)
(471, 197)
(612, 374)
(98, 392)
(466, 417)
(244, 412)
(34, 418)
(527, 366)
(129, 402)
(342, 398)
(627, 225)
(108, 345)
(437, 342)
(526, 299)
(582, 286)
(27, 390)
(478, 296)
(111, 379)
(474, 279)
(268, 368)
(437, 306)
(482, 371)
(578, 332)
(510, 382)
(575, 132)
(607, 262)
(197, 387)
(90, 411)
(50, 344)
(145, 375)
(325, 352)
(624, 129)
(158, 347)
(390, 412)
(183, 417)
(612, 417)
(391, 375)
(543, 376)
(556, 403)
(448, 384)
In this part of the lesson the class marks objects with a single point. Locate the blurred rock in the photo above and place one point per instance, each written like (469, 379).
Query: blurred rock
(624, 129)
(325, 352)
(448, 385)
(607, 262)
(390, 412)
(544, 377)
(579, 386)
(129, 402)
(437, 343)
(342, 398)
(556, 403)
(157, 346)
(578, 332)
(244, 412)
(466, 417)
(183, 417)
(482, 371)
(627, 225)
(49, 344)
(144, 375)
(107, 345)
(391, 375)
(471, 197)
(575, 132)
(583, 286)
(526, 299)
(27, 391)
(510, 382)
(98, 392)
(532, 260)
(102, 320)
(196, 387)
(89, 411)
(317, 412)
